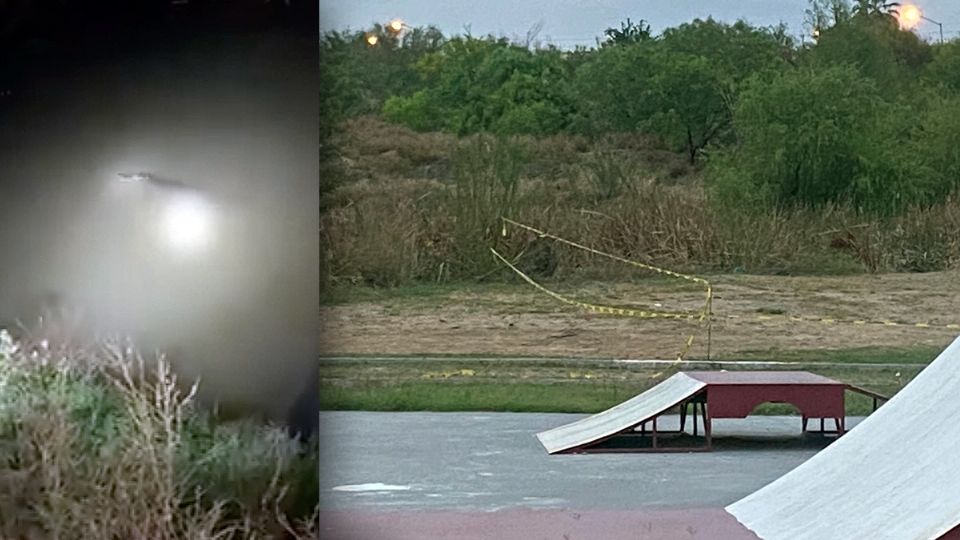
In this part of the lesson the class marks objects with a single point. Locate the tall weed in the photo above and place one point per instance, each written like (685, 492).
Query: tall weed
(415, 230)
(486, 176)
(105, 445)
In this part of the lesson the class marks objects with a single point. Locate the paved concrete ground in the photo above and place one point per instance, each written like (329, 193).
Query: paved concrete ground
(491, 461)
(525, 524)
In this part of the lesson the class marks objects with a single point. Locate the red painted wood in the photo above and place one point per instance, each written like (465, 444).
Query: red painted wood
(952, 534)
(761, 377)
(739, 400)
(734, 394)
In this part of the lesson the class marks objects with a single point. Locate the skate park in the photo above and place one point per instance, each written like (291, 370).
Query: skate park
(762, 479)
(686, 458)
(554, 336)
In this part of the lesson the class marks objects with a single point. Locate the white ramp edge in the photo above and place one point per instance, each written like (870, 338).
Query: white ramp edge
(654, 401)
(896, 475)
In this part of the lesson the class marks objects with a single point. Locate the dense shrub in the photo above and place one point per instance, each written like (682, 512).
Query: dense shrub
(472, 85)
(359, 78)
(680, 87)
(891, 57)
(944, 69)
(95, 442)
(813, 137)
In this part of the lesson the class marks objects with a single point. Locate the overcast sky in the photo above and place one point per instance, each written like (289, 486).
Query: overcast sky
(567, 23)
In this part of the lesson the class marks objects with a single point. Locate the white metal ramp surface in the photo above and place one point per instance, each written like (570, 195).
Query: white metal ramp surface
(895, 476)
(653, 402)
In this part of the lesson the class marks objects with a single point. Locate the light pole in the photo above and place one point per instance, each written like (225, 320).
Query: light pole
(936, 23)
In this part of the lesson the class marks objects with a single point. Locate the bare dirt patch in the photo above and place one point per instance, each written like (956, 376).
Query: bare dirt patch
(751, 313)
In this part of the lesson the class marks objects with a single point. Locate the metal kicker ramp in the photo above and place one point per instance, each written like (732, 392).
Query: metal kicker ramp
(629, 414)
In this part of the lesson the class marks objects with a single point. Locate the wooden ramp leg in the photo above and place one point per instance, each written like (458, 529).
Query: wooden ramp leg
(694, 419)
(707, 428)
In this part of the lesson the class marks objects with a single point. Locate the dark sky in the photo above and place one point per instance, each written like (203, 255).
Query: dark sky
(567, 23)
(221, 96)
(48, 35)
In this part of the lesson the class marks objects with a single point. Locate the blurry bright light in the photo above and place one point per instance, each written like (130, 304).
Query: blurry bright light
(372, 40)
(396, 25)
(134, 177)
(188, 223)
(909, 16)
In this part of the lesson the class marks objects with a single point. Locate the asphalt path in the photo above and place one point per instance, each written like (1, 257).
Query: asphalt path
(493, 461)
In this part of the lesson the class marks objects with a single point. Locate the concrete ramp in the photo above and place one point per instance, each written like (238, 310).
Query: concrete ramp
(624, 416)
(895, 476)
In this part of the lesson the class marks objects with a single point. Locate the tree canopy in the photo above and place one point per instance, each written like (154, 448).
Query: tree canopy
(864, 114)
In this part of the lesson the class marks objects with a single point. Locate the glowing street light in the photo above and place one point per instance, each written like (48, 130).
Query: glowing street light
(393, 28)
(187, 223)
(187, 220)
(909, 17)
(396, 26)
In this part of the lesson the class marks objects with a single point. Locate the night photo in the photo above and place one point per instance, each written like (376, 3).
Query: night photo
(159, 280)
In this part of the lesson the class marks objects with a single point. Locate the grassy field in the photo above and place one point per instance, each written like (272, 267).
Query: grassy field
(920, 354)
(537, 385)
(507, 347)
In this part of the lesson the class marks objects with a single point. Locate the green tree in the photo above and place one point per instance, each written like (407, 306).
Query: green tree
(690, 104)
(612, 87)
(734, 51)
(628, 33)
(823, 14)
(932, 150)
(700, 73)
(361, 77)
(680, 86)
(813, 137)
(944, 69)
(876, 46)
(877, 8)
(473, 85)
(419, 112)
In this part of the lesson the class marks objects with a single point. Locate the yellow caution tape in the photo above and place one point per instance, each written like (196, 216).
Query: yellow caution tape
(645, 266)
(832, 320)
(448, 374)
(596, 308)
(703, 315)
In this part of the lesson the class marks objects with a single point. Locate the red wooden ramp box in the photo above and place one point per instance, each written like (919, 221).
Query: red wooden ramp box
(710, 395)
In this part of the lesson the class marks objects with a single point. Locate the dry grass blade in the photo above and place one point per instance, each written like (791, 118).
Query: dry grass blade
(102, 449)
